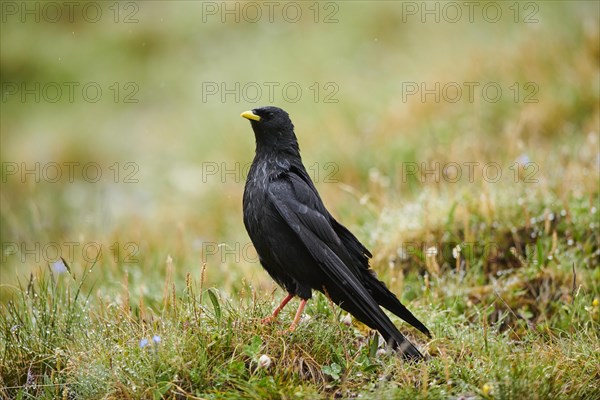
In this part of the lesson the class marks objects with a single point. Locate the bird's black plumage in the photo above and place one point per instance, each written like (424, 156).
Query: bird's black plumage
(300, 244)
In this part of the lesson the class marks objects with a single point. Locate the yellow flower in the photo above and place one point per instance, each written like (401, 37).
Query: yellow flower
(486, 389)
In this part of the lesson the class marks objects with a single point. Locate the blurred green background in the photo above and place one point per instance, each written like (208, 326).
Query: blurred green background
(163, 140)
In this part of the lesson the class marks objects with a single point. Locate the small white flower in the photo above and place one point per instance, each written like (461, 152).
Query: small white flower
(264, 361)
(381, 352)
(305, 318)
(456, 251)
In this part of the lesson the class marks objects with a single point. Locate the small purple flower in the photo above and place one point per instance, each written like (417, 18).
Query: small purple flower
(156, 339)
(59, 267)
(347, 320)
(523, 159)
(143, 343)
(30, 378)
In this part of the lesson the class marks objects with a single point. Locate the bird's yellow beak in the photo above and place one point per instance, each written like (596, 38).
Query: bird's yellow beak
(250, 115)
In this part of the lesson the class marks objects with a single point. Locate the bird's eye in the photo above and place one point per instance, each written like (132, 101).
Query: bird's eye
(270, 115)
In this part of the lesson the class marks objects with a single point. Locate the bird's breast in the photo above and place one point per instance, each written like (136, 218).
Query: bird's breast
(256, 193)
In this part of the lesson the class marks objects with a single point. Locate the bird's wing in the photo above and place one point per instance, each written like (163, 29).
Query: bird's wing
(299, 206)
(354, 248)
(347, 247)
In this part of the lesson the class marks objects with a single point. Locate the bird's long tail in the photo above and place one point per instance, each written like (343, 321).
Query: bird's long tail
(377, 320)
(384, 297)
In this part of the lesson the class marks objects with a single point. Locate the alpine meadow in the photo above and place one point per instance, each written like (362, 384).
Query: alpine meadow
(450, 169)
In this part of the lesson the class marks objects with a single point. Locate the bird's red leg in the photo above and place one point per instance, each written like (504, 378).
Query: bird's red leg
(278, 309)
(298, 315)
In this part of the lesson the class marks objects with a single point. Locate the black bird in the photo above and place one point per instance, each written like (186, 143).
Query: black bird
(301, 245)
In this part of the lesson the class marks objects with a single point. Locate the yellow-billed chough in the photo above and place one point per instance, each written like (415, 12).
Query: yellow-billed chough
(301, 245)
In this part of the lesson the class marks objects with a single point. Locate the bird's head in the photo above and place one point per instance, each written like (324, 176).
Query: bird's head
(273, 129)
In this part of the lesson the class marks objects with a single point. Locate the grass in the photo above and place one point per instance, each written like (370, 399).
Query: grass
(202, 344)
(504, 272)
(506, 324)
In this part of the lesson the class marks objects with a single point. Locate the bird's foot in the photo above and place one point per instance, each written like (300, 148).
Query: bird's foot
(272, 317)
(287, 331)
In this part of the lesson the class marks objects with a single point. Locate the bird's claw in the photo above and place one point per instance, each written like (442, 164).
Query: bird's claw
(287, 331)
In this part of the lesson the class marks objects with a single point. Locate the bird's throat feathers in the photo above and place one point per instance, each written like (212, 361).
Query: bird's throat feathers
(271, 144)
